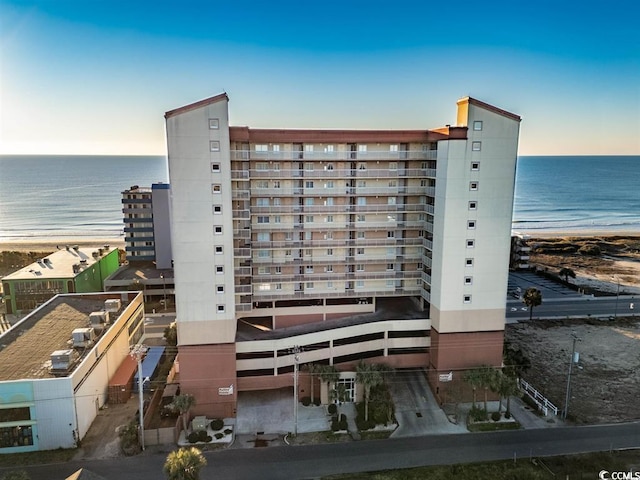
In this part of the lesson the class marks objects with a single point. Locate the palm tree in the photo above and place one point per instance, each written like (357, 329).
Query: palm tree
(184, 464)
(329, 374)
(314, 369)
(487, 376)
(182, 404)
(507, 386)
(474, 379)
(532, 298)
(369, 375)
(566, 273)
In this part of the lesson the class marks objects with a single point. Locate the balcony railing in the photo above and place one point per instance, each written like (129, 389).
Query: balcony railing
(335, 156)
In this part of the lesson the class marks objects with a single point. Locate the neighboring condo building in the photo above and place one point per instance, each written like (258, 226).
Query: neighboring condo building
(391, 246)
(147, 219)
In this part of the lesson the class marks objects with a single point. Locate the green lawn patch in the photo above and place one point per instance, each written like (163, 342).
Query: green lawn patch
(37, 458)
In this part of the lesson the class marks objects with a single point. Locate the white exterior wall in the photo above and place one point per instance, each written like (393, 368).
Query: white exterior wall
(490, 254)
(55, 413)
(193, 240)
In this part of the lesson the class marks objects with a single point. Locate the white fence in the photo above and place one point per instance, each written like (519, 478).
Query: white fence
(544, 405)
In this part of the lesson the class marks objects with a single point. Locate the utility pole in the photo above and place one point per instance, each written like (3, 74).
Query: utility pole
(138, 352)
(296, 359)
(164, 290)
(573, 354)
(617, 297)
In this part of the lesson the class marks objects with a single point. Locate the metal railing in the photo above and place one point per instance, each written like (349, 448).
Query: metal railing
(544, 405)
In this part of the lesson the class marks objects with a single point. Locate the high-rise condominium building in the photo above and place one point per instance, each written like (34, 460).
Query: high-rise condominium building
(331, 246)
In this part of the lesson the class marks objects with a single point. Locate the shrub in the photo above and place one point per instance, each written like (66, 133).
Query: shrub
(590, 249)
(202, 435)
(219, 435)
(306, 401)
(316, 402)
(209, 438)
(333, 408)
(216, 424)
(228, 431)
(335, 426)
(193, 437)
(478, 414)
(507, 415)
(364, 425)
(343, 424)
(129, 443)
(495, 416)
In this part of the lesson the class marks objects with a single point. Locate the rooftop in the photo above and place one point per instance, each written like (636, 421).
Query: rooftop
(140, 271)
(25, 350)
(60, 264)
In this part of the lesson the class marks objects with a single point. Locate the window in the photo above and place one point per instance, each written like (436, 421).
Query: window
(391, 200)
(389, 266)
(262, 184)
(329, 219)
(329, 284)
(263, 270)
(473, 205)
(217, 209)
(468, 262)
(277, 270)
(308, 201)
(220, 308)
(214, 146)
(308, 285)
(276, 219)
(473, 186)
(264, 287)
(423, 183)
(361, 184)
(360, 235)
(468, 280)
(477, 125)
(277, 201)
(390, 284)
(214, 124)
(475, 166)
(218, 249)
(276, 148)
(329, 184)
(215, 167)
(262, 202)
(287, 253)
(264, 237)
(262, 166)
(328, 166)
(219, 288)
(276, 184)
(307, 252)
(308, 148)
(329, 201)
(471, 224)
(216, 188)
(308, 184)
(467, 298)
(362, 200)
(308, 218)
(393, 183)
(278, 286)
(362, 148)
(276, 165)
(329, 149)
(288, 236)
(217, 230)
(264, 254)
(360, 267)
(391, 234)
(391, 217)
(419, 266)
(393, 148)
(219, 269)
(360, 251)
(360, 218)
(328, 269)
(359, 283)
(262, 147)
(471, 243)
(308, 269)
(263, 219)
(476, 146)
(393, 165)
(391, 251)
(308, 166)
(362, 166)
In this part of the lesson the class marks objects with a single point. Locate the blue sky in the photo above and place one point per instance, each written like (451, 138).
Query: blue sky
(96, 76)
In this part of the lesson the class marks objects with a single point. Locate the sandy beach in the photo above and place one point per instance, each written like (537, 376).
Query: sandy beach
(52, 244)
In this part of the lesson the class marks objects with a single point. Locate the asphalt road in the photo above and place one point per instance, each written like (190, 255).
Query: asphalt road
(576, 307)
(312, 461)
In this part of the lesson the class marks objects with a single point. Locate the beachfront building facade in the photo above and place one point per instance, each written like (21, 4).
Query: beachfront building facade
(56, 366)
(147, 224)
(71, 269)
(294, 247)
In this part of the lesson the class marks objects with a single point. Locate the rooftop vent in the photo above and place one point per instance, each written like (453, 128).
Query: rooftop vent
(83, 261)
(76, 268)
(99, 320)
(76, 247)
(62, 361)
(83, 337)
(106, 247)
(112, 305)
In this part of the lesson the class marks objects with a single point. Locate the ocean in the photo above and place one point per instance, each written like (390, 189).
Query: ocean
(80, 196)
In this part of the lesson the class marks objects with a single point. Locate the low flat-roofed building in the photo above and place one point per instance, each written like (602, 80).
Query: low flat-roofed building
(69, 270)
(56, 366)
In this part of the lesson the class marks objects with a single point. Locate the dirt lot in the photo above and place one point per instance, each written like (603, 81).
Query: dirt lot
(605, 384)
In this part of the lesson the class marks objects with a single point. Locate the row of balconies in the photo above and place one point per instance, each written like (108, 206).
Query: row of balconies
(344, 292)
(322, 191)
(335, 155)
(368, 172)
(357, 275)
(337, 242)
(342, 209)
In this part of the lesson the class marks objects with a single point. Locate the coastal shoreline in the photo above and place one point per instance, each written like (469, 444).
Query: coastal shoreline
(51, 244)
(546, 234)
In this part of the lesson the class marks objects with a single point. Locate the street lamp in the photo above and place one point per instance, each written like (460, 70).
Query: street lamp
(296, 359)
(138, 352)
(571, 362)
(164, 290)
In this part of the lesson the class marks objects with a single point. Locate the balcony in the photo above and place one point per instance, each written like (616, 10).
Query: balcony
(335, 156)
